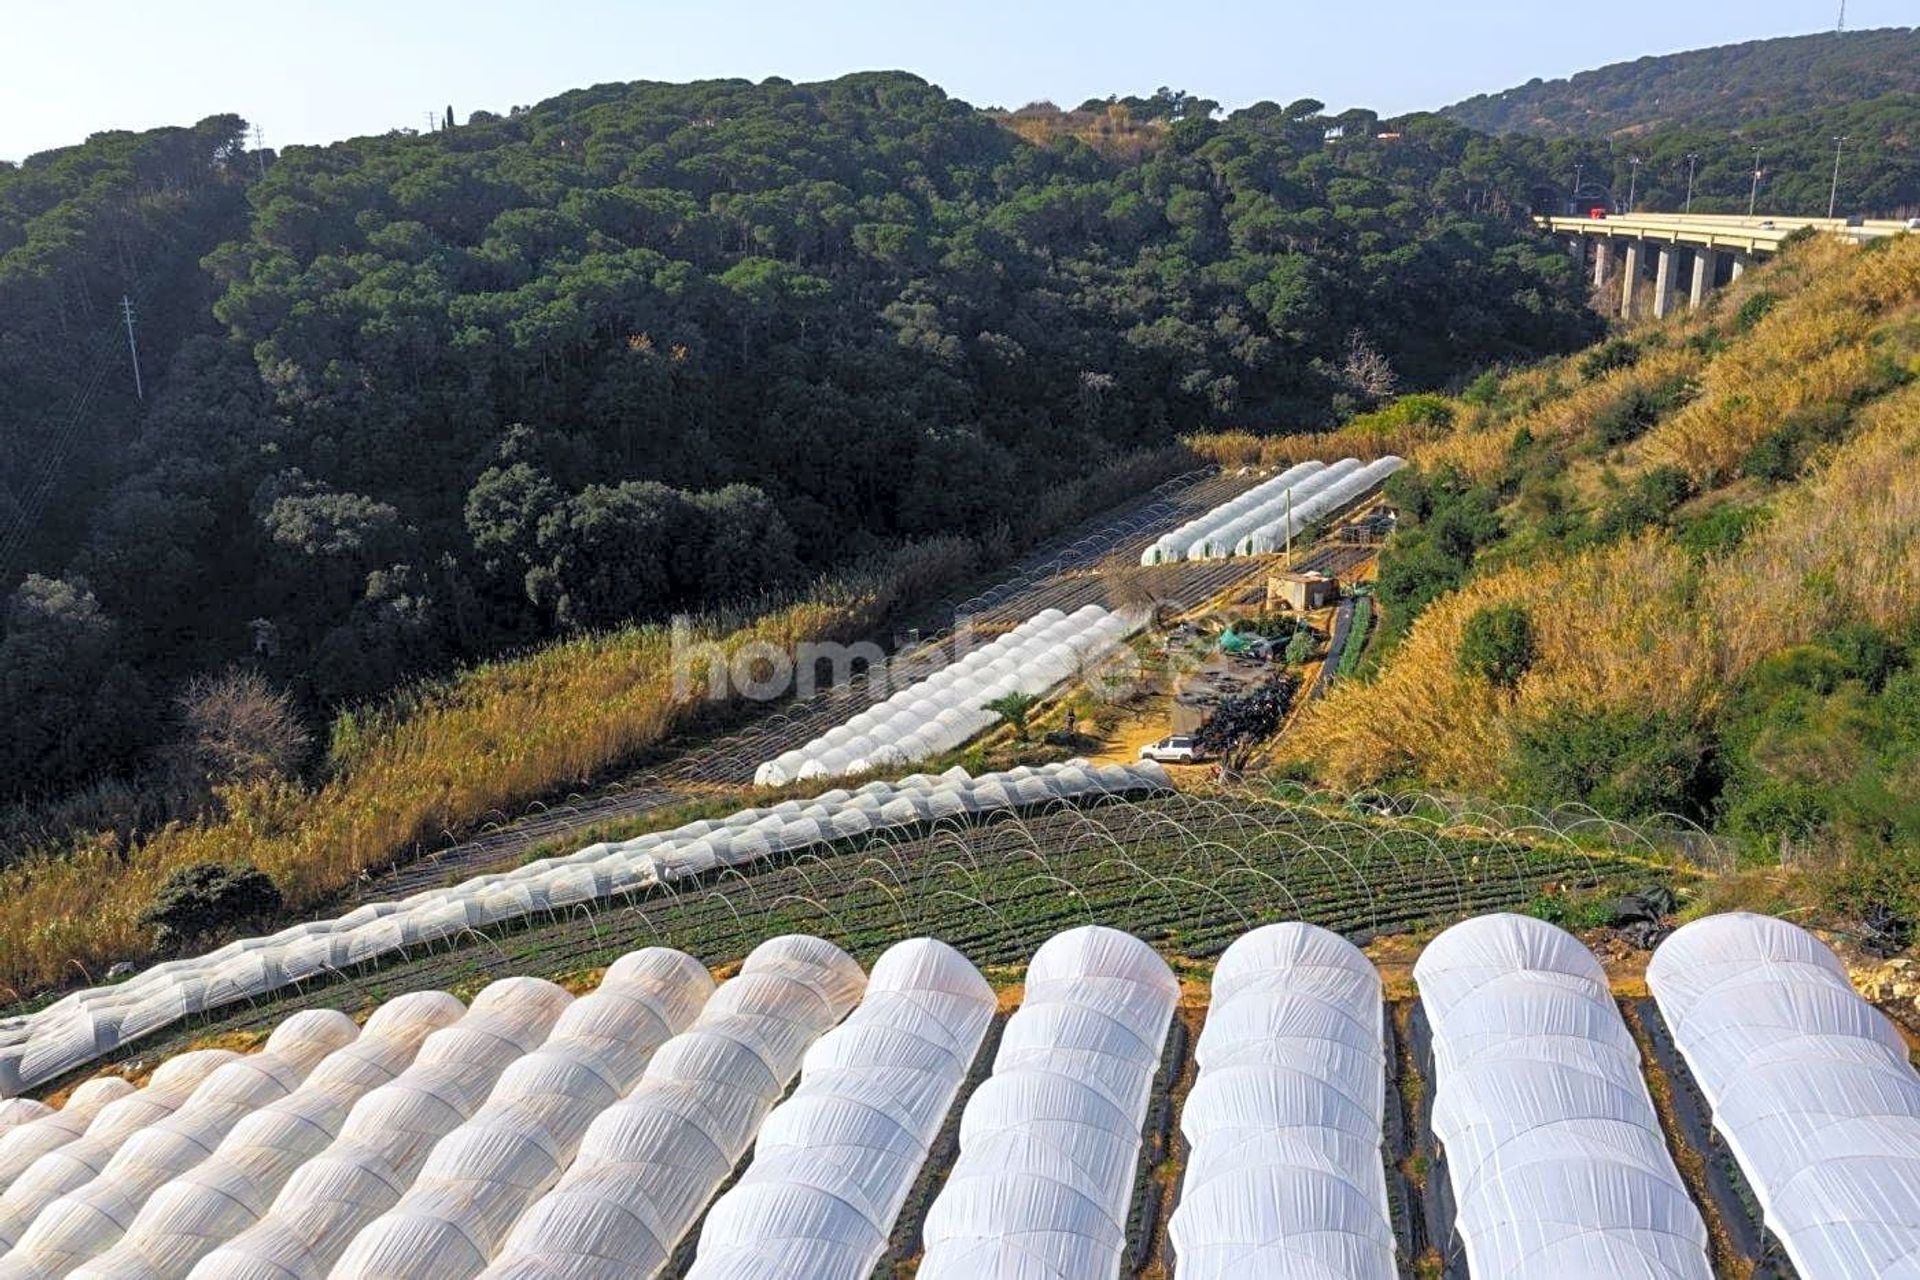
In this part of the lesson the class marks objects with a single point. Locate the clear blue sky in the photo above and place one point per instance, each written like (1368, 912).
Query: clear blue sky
(308, 71)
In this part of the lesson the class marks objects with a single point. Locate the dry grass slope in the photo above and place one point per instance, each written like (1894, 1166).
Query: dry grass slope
(490, 739)
(1642, 623)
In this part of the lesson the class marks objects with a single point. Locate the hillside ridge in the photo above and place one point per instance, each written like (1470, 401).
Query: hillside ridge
(1725, 85)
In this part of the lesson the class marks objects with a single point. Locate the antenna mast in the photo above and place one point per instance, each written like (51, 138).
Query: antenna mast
(1843, 16)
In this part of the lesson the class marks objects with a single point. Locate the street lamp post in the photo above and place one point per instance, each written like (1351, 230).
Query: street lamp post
(1753, 196)
(1633, 184)
(1692, 159)
(1833, 192)
(1578, 170)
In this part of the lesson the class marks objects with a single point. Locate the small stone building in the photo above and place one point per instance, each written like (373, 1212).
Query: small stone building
(1302, 592)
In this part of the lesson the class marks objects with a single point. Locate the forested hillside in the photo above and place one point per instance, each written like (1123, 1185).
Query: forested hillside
(1697, 123)
(1676, 575)
(417, 399)
(1723, 87)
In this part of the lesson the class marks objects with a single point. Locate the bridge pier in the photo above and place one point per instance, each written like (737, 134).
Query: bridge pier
(1667, 265)
(1706, 268)
(1602, 261)
(1630, 277)
(1740, 263)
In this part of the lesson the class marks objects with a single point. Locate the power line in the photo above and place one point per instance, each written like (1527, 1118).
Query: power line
(98, 360)
(133, 349)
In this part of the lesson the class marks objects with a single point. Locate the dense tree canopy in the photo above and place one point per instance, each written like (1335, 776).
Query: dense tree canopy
(1723, 87)
(1781, 103)
(646, 347)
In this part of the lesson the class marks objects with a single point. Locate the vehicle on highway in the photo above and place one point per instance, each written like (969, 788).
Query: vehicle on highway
(1178, 748)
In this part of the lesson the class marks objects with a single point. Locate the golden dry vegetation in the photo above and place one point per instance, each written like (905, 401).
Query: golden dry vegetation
(488, 740)
(1643, 624)
(1113, 132)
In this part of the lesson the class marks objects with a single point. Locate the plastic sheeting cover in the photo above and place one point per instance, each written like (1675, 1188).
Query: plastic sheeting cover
(15, 1112)
(27, 1142)
(82, 1026)
(1173, 546)
(227, 1193)
(1050, 1142)
(88, 1219)
(1274, 534)
(1224, 539)
(1284, 1174)
(484, 1174)
(78, 1162)
(649, 1163)
(947, 708)
(833, 1164)
(1555, 1154)
(1811, 1087)
(388, 1135)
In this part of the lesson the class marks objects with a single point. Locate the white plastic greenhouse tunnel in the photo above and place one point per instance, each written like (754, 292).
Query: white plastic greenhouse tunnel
(22, 1145)
(1284, 1175)
(1276, 531)
(1050, 1142)
(84, 1026)
(1221, 540)
(1173, 546)
(216, 1200)
(388, 1135)
(481, 1177)
(834, 1163)
(88, 1218)
(15, 1112)
(1553, 1149)
(1811, 1087)
(536, 1136)
(649, 1164)
(77, 1163)
(943, 711)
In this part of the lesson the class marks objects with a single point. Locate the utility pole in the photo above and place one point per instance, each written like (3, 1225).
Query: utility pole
(1692, 159)
(1578, 170)
(433, 120)
(1633, 184)
(1289, 526)
(260, 150)
(1843, 17)
(126, 309)
(1753, 196)
(1833, 192)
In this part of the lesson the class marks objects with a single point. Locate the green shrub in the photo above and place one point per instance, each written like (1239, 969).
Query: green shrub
(1484, 390)
(207, 898)
(1649, 501)
(1753, 311)
(1302, 647)
(1623, 762)
(1498, 645)
(1775, 457)
(1721, 530)
(1617, 353)
(1425, 409)
(1775, 809)
(1636, 410)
